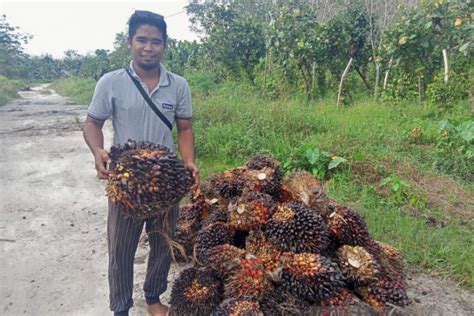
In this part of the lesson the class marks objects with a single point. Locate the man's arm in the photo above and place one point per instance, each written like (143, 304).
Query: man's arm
(186, 147)
(95, 140)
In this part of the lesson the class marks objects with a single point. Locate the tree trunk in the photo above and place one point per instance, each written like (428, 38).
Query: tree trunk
(363, 77)
(446, 67)
(385, 80)
(377, 80)
(341, 83)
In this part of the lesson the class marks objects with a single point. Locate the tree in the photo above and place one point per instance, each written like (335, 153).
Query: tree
(12, 56)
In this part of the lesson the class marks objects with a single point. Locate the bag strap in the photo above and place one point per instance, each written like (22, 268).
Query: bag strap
(149, 101)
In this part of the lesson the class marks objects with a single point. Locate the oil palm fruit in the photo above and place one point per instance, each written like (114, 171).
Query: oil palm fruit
(146, 178)
(210, 236)
(311, 277)
(357, 264)
(224, 258)
(261, 247)
(225, 185)
(251, 210)
(247, 279)
(385, 291)
(238, 307)
(196, 292)
(279, 302)
(296, 228)
(305, 188)
(265, 173)
(341, 298)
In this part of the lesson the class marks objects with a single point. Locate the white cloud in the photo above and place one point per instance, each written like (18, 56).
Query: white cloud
(86, 25)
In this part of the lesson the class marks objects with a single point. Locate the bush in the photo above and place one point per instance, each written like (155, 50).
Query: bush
(80, 90)
(9, 89)
(446, 95)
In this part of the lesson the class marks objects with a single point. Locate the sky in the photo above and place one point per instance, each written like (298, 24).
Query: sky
(86, 25)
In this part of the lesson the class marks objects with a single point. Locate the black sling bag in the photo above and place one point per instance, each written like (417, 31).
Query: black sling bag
(149, 101)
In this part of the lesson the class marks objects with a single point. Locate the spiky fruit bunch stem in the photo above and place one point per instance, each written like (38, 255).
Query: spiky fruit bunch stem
(195, 292)
(310, 276)
(145, 178)
(248, 280)
(296, 228)
(357, 264)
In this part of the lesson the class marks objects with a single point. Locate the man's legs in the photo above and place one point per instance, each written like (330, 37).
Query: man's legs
(159, 259)
(123, 234)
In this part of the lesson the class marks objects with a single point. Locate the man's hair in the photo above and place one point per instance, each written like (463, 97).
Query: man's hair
(140, 18)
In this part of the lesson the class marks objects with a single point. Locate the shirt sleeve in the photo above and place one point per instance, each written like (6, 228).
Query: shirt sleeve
(101, 105)
(184, 109)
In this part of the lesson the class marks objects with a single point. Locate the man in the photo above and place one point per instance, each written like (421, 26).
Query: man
(117, 97)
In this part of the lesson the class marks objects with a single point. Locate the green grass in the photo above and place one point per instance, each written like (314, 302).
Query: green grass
(79, 89)
(9, 89)
(232, 122)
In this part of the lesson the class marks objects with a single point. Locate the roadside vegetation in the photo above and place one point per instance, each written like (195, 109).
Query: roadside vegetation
(9, 89)
(375, 100)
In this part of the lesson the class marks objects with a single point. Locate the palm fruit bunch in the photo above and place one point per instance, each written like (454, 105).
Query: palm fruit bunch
(384, 291)
(226, 185)
(260, 246)
(393, 255)
(224, 258)
(305, 188)
(251, 210)
(238, 307)
(247, 279)
(187, 227)
(145, 178)
(210, 236)
(282, 247)
(265, 174)
(349, 228)
(279, 302)
(196, 292)
(293, 227)
(311, 276)
(357, 264)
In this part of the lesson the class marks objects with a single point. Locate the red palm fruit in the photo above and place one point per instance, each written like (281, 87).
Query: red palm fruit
(258, 245)
(385, 291)
(248, 279)
(224, 258)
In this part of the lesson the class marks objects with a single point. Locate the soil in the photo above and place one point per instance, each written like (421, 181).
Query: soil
(53, 220)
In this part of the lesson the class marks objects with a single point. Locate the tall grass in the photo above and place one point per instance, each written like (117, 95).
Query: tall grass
(80, 90)
(9, 89)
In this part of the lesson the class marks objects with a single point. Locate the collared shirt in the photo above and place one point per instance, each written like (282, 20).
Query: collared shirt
(117, 97)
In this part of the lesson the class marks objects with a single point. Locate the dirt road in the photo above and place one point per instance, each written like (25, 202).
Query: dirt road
(53, 220)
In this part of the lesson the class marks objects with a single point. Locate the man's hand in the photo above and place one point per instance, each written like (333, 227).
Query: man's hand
(195, 172)
(101, 160)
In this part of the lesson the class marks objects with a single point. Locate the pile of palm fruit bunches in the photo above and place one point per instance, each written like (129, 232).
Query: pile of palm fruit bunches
(146, 178)
(264, 245)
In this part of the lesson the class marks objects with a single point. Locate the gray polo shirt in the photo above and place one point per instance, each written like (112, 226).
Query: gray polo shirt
(117, 97)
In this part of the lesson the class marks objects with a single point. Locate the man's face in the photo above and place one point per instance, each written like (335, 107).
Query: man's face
(147, 46)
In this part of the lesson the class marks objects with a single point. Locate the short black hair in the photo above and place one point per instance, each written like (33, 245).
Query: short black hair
(140, 18)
